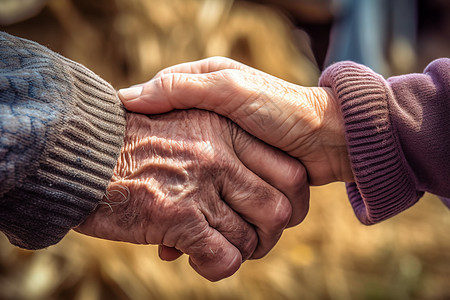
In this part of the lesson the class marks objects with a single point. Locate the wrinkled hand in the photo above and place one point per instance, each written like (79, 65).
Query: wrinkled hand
(191, 181)
(304, 122)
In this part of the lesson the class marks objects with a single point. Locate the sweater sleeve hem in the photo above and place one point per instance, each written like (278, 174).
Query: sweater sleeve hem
(384, 185)
(80, 122)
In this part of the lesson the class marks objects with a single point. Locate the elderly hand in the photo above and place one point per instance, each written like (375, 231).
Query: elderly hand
(304, 122)
(196, 182)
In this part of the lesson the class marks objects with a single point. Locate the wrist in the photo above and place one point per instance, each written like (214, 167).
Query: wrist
(332, 135)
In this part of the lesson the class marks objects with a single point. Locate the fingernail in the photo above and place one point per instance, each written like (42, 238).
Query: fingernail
(130, 93)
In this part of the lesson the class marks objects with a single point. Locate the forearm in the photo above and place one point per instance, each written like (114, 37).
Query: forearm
(420, 109)
(61, 130)
(397, 136)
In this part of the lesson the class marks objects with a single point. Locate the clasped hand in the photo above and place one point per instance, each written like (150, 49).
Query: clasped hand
(305, 122)
(195, 183)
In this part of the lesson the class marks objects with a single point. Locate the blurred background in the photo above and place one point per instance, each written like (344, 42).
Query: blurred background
(330, 255)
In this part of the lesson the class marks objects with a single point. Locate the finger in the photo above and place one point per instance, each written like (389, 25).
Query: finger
(259, 204)
(168, 253)
(282, 171)
(231, 225)
(190, 232)
(177, 91)
(228, 223)
(212, 254)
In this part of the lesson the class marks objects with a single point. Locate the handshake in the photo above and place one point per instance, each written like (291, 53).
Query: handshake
(223, 175)
(219, 186)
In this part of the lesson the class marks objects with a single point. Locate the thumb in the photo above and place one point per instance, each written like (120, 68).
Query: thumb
(208, 65)
(136, 100)
(210, 91)
(245, 98)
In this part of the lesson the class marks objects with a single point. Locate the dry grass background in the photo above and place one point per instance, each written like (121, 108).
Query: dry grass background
(329, 256)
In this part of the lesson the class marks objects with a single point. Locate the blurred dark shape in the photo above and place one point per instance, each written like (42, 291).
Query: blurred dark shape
(433, 31)
(364, 29)
(390, 36)
(314, 17)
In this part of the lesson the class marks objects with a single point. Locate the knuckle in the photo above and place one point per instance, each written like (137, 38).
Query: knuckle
(296, 177)
(167, 82)
(234, 81)
(232, 76)
(281, 215)
(192, 235)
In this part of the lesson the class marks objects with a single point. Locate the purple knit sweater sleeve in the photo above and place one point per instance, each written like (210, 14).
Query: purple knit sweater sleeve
(398, 136)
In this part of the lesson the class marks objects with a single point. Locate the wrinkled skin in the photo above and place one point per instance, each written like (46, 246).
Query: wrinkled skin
(191, 182)
(305, 122)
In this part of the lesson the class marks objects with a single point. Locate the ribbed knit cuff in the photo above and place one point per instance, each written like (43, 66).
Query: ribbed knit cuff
(77, 127)
(384, 185)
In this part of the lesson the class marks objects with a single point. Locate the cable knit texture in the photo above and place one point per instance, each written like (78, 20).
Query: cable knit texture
(61, 131)
(384, 123)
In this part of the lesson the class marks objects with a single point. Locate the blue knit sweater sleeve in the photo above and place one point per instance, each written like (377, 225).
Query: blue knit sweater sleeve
(61, 130)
